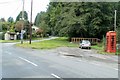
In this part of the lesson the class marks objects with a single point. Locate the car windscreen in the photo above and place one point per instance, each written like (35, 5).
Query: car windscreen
(86, 42)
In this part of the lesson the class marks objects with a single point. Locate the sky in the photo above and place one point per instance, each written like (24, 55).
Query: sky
(11, 8)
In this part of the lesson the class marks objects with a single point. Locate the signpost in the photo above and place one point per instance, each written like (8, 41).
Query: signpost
(31, 22)
(21, 36)
(22, 32)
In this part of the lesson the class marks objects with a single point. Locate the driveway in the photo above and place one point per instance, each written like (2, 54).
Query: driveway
(87, 54)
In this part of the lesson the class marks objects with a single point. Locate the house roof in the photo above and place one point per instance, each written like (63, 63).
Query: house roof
(13, 33)
(35, 27)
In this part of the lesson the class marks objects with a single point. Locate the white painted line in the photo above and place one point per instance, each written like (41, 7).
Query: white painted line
(28, 61)
(55, 76)
(116, 69)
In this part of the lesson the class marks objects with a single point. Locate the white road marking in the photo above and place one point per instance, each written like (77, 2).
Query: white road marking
(116, 69)
(28, 61)
(55, 76)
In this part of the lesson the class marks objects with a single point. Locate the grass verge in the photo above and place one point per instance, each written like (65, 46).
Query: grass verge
(49, 44)
(36, 38)
(8, 41)
(11, 41)
(100, 49)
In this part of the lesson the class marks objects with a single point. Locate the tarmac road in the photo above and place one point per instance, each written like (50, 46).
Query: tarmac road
(29, 63)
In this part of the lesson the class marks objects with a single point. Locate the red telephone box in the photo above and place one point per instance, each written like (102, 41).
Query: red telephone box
(111, 41)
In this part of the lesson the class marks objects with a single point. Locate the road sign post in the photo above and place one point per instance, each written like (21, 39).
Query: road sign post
(21, 36)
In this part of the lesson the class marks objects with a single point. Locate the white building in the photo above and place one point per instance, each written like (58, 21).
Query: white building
(34, 28)
(10, 36)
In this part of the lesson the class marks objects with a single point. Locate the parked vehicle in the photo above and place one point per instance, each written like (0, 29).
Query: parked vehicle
(85, 44)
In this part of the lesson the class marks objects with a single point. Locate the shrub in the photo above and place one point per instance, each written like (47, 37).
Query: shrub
(2, 35)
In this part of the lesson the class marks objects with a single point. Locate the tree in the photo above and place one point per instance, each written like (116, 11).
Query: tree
(19, 17)
(2, 19)
(84, 19)
(39, 31)
(118, 22)
(12, 27)
(10, 19)
(42, 22)
(19, 26)
(118, 35)
(22, 25)
(4, 26)
(37, 20)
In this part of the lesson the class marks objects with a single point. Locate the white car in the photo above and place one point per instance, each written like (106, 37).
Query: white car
(85, 44)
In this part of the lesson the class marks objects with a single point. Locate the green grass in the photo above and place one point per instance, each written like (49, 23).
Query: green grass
(8, 41)
(36, 38)
(118, 52)
(99, 46)
(49, 44)
(101, 50)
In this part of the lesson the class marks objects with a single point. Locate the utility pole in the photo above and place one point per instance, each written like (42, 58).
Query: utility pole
(23, 22)
(31, 22)
(23, 10)
(115, 20)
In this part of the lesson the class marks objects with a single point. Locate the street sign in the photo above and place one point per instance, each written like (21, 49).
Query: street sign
(21, 35)
(23, 31)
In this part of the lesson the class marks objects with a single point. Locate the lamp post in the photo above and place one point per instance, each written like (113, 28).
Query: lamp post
(31, 22)
(115, 20)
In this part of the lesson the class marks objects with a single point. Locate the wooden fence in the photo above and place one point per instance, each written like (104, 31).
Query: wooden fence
(92, 40)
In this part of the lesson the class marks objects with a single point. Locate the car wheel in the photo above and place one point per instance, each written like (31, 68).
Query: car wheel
(89, 47)
(81, 47)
